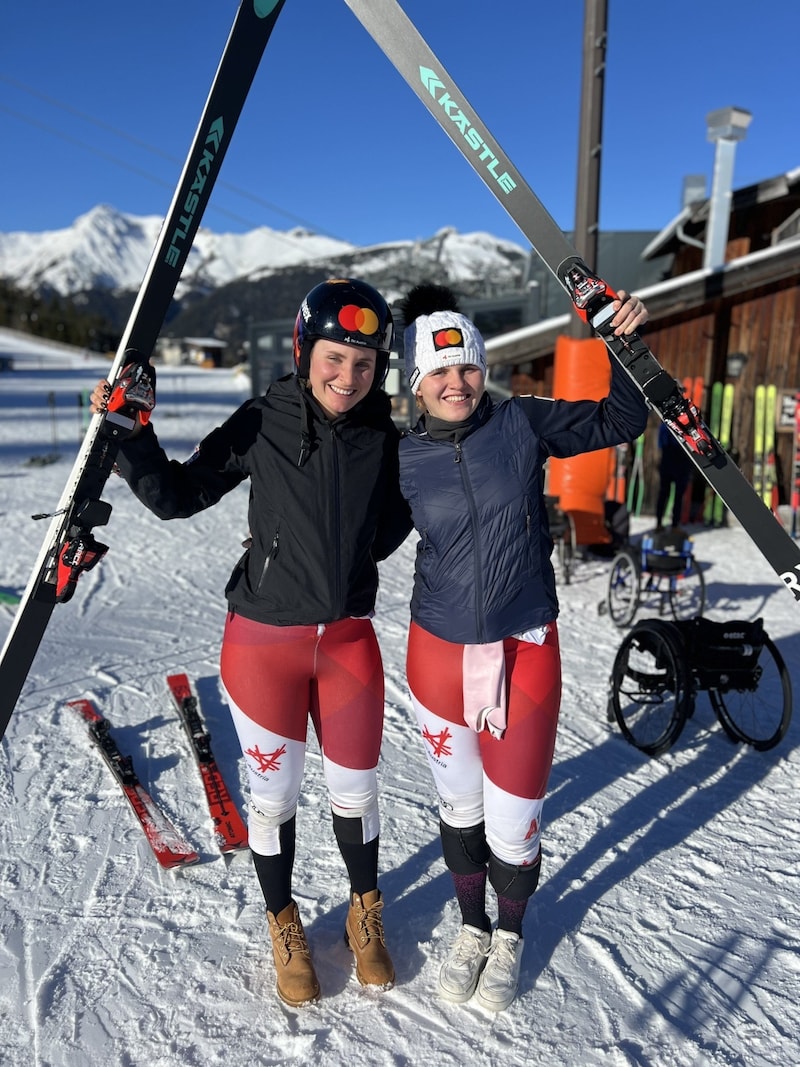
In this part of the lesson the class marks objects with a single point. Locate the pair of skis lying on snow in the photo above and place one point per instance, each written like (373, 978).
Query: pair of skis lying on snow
(168, 845)
(70, 548)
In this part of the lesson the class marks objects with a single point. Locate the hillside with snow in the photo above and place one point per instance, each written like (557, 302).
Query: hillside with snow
(107, 249)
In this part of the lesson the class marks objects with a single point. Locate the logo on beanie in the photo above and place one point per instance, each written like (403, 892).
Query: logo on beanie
(358, 320)
(450, 338)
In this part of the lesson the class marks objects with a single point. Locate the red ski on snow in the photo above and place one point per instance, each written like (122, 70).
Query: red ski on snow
(169, 847)
(229, 828)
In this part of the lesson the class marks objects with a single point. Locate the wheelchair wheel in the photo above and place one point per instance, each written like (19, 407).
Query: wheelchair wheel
(622, 597)
(565, 549)
(757, 706)
(562, 531)
(651, 693)
(566, 557)
(687, 592)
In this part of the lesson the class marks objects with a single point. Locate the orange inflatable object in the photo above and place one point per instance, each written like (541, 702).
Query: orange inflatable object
(581, 371)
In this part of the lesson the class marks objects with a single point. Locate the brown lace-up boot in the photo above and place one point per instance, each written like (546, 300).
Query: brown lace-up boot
(297, 980)
(363, 933)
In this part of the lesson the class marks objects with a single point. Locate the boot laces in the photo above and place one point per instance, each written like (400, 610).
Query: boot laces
(293, 939)
(370, 922)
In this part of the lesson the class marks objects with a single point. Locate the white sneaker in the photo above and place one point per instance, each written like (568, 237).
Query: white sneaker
(500, 977)
(461, 970)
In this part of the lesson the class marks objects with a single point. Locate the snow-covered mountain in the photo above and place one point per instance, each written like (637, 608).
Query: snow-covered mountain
(107, 249)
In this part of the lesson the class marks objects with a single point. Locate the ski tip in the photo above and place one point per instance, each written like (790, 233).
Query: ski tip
(173, 861)
(178, 680)
(87, 709)
(228, 848)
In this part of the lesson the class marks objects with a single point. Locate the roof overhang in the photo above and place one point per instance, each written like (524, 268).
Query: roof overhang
(695, 216)
(673, 296)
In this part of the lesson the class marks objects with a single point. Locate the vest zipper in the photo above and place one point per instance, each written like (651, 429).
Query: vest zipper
(476, 561)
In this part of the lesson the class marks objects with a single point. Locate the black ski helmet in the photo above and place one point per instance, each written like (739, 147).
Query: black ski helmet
(349, 311)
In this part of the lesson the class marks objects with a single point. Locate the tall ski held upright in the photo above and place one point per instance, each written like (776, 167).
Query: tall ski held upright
(715, 421)
(592, 298)
(696, 391)
(759, 419)
(725, 439)
(769, 490)
(69, 547)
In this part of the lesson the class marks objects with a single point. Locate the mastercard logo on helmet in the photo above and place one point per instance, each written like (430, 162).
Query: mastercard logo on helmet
(355, 319)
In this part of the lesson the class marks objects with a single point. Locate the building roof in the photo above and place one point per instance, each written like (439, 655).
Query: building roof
(202, 342)
(680, 293)
(691, 221)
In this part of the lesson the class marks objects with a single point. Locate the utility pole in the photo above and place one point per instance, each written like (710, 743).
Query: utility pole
(581, 369)
(587, 202)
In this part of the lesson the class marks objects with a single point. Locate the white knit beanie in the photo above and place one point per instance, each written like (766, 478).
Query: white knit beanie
(442, 339)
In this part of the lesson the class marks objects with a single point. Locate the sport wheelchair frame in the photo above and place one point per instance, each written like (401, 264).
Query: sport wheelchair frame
(662, 665)
(660, 567)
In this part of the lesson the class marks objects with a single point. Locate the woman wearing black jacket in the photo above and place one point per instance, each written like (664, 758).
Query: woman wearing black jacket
(320, 450)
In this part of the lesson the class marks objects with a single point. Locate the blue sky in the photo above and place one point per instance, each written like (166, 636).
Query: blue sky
(99, 102)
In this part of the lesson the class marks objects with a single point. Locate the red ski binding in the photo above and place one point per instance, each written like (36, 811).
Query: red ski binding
(79, 554)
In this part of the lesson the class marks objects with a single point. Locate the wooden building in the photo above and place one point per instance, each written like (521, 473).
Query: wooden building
(737, 322)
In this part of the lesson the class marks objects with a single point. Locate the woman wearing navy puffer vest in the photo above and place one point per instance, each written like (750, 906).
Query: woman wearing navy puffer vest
(483, 657)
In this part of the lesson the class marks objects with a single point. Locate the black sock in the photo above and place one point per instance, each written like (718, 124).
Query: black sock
(510, 914)
(514, 885)
(360, 858)
(275, 872)
(471, 897)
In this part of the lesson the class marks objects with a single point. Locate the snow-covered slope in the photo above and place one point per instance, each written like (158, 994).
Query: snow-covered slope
(664, 932)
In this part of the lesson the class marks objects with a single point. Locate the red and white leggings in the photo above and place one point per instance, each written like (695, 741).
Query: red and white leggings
(274, 678)
(478, 777)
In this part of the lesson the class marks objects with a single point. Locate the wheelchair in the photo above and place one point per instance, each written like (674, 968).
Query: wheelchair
(662, 665)
(660, 569)
(562, 531)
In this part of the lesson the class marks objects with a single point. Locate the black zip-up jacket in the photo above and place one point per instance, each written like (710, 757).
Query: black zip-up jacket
(324, 504)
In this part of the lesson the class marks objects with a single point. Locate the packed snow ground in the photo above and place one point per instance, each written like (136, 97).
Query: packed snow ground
(665, 929)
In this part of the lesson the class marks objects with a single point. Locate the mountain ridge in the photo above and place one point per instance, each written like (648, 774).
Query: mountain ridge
(109, 250)
(231, 281)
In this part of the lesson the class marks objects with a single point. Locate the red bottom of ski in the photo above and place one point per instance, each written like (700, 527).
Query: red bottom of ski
(169, 847)
(229, 828)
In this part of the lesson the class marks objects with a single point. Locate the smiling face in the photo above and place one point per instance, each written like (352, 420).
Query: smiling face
(452, 393)
(340, 375)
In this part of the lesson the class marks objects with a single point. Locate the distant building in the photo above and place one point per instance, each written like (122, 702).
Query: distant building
(201, 351)
(737, 320)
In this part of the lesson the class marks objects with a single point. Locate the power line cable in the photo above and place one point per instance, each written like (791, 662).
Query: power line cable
(101, 124)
